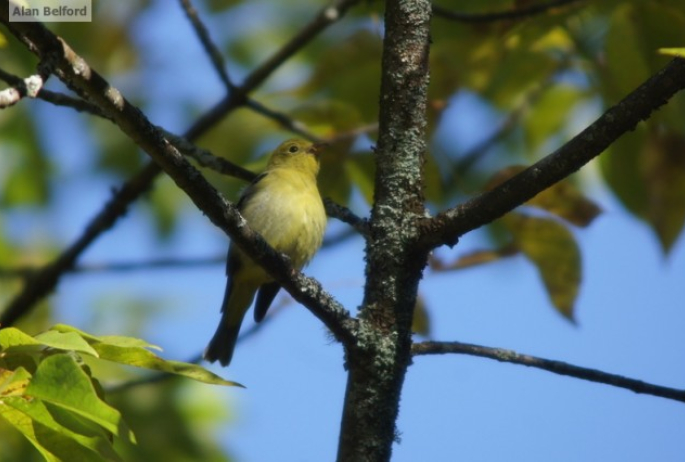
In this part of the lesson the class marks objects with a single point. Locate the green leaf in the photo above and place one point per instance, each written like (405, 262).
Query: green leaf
(563, 198)
(361, 170)
(334, 180)
(346, 72)
(13, 383)
(664, 169)
(116, 340)
(219, 5)
(620, 167)
(551, 247)
(69, 341)
(11, 337)
(420, 323)
(61, 432)
(135, 352)
(646, 170)
(25, 425)
(164, 204)
(636, 31)
(550, 113)
(519, 71)
(140, 357)
(327, 117)
(61, 381)
(24, 168)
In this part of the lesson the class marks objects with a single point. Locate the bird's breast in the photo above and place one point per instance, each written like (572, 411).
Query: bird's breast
(287, 211)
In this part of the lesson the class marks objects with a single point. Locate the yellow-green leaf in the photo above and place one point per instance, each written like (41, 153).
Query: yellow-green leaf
(664, 167)
(361, 170)
(420, 323)
(346, 72)
(563, 199)
(549, 114)
(68, 341)
(551, 247)
(61, 381)
(13, 383)
(141, 357)
(135, 352)
(636, 31)
(677, 52)
(60, 432)
(11, 337)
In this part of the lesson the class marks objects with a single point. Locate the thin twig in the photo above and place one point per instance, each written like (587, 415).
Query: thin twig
(519, 13)
(557, 367)
(58, 99)
(209, 46)
(23, 272)
(207, 159)
(326, 16)
(30, 86)
(342, 213)
(283, 120)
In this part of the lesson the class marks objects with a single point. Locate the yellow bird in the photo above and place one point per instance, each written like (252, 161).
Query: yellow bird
(282, 204)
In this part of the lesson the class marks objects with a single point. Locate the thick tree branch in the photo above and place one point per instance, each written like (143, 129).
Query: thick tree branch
(557, 367)
(518, 13)
(448, 226)
(378, 360)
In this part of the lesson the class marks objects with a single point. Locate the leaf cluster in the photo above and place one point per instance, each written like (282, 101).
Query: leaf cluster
(48, 393)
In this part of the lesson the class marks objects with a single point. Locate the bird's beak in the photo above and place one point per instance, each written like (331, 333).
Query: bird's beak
(317, 148)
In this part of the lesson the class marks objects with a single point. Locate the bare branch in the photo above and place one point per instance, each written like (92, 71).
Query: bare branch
(211, 49)
(557, 367)
(24, 272)
(342, 213)
(207, 159)
(519, 13)
(448, 226)
(283, 120)
(327, 16)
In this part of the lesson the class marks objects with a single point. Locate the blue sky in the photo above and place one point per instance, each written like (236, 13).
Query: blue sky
(630, 320)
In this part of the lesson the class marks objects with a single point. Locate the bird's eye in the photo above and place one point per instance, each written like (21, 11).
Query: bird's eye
(293, 149)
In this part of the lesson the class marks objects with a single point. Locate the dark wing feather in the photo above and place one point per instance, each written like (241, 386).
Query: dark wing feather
(250, 190)
(233, 262)
(265, 296)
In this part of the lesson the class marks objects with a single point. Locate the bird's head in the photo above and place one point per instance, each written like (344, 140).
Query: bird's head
(297, 154)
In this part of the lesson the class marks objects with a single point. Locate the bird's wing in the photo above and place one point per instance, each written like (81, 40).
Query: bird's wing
(249, 191)
(265, 296)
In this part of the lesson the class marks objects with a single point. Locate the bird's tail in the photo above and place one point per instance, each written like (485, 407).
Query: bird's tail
(236, 303)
